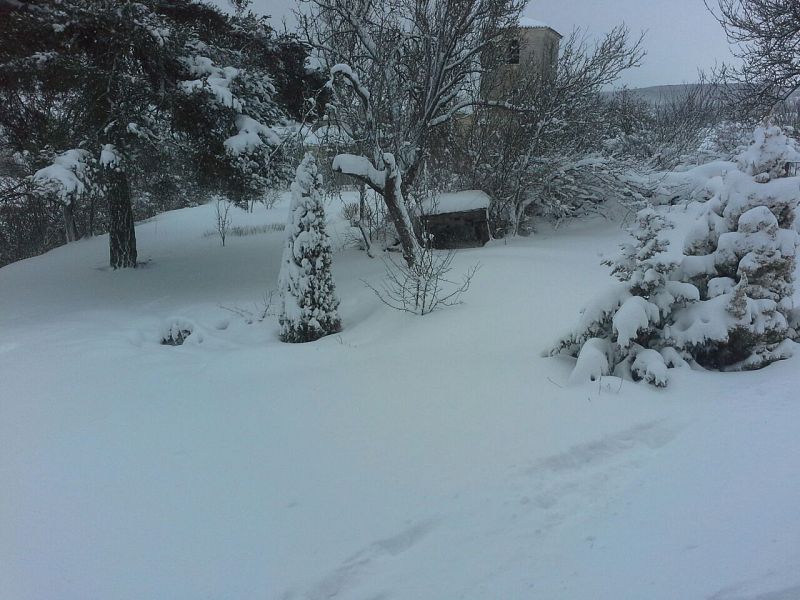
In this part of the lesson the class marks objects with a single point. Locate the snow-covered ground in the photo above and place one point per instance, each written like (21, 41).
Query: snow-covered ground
(407, 458)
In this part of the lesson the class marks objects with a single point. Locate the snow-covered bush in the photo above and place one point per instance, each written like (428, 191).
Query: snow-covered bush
(767, 156)
(68, 178)
(663, 134)
(177, 330)
(68, 175)
(563, 187)
(741, 254)
(725, 141)
(722, 299)
(351, 213)
(629, 319)
(308, 299)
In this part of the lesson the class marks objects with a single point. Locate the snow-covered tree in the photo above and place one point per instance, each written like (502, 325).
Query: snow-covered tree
(400, 70)
(722, 300)
(550, 159)
(767, 157)
(765, 37)
(616, 328)
(165, 83)
(68, 178)
(308, 298)
(121, 232)
(741, 254)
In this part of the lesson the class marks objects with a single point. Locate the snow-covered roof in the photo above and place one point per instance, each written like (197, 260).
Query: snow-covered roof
(532, 23)
(528, 23)
(452, 202)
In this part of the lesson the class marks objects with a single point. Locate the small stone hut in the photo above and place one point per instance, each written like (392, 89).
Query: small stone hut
(457, 219)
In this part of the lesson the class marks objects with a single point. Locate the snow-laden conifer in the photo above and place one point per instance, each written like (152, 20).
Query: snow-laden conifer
(69, 177)
(721, 299)
(308, 299)
(766, 157)
(741, 254)
(625, 323)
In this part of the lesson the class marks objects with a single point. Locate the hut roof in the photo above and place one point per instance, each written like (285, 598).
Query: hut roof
(454, 202)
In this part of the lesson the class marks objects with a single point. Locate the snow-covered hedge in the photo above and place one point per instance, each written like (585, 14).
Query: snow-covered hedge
(716, 292)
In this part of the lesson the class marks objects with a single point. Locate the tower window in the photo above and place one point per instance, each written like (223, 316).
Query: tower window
(513, 51)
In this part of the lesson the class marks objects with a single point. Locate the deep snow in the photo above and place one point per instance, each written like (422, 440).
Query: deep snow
(408, 458)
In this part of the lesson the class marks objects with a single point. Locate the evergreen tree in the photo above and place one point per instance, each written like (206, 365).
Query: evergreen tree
(741, 255)
(165, 83)
(617, 331)
(68, 177)
(722, 301)
(308, 300)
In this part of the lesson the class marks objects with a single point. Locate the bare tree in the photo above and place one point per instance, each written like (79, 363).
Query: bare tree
(523, 159)
(765, 35)
(240, 6)
(424, 286)
(671, 129)
(400, 70)
(223, 207)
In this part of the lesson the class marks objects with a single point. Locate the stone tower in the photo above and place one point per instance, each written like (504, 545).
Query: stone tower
(530, 48)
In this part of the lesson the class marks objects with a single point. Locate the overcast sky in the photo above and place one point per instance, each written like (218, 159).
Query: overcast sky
(681, 35)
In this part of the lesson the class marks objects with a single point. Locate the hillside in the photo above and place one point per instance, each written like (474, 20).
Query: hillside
(662, 94)
(407, 458)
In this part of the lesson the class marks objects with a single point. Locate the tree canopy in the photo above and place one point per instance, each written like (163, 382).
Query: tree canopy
(188, 98)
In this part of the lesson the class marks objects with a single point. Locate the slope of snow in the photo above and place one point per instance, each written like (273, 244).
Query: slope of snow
(408, 458)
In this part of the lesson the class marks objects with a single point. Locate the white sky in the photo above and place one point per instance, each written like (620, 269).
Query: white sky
(681, 35)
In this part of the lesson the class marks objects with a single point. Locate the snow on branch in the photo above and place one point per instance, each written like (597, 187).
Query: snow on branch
(360, 167)
(443, 118)
(346, 72)
(67, 176)
(249, 137)
(216, 81)
(212, 79)
(109, 156)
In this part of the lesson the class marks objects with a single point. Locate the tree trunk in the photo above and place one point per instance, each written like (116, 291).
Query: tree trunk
(121, 233)
(362, 210)
(70, 230)
(392, 192)
(395, 203)
(92, 199)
